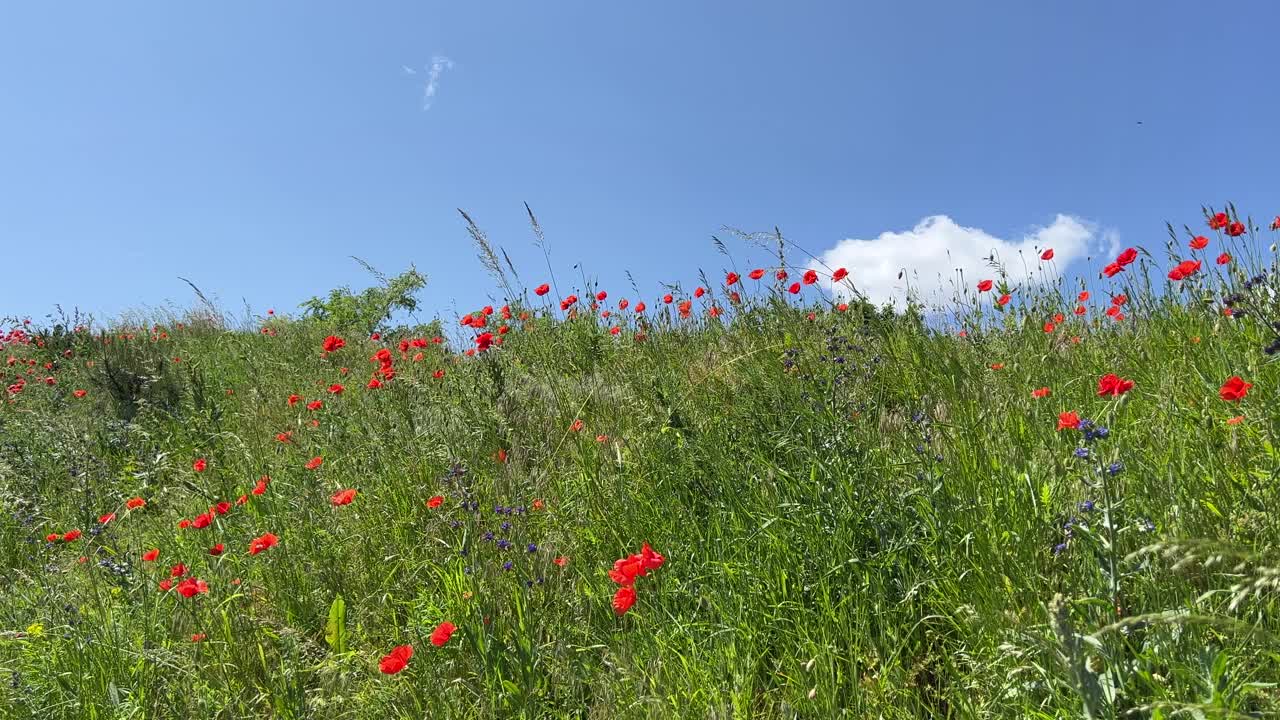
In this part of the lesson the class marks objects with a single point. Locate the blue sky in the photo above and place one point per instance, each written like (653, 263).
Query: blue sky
(253, 147)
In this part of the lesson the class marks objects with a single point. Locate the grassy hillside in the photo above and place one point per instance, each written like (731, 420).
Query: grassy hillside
(859, 514)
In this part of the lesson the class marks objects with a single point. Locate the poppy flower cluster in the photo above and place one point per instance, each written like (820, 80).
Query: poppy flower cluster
(1184, 270)
(1123, 260)
(626, 570)
(398, 659)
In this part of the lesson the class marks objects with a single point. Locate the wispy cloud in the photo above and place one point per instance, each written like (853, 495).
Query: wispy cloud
(439, 64)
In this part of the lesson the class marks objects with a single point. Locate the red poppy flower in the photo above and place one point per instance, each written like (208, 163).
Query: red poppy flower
(1113, 385)
(650, 558)
(222, 508)
(1127, 257)
(203, 521)
(374, 383)
(166, 585)
(183, 524)
(71, 536)
(198, 637)
(1218, 221)
(336, 389)
(1043, 392)
(314, 463)
(1235, 229)
(1224, 258)
(985, 285)
(199, 465)
(794, 289)
(1112, 270)
(1235, 420)
(600, 296)
(756, 274)
(667, 298)
(293, 400)
(151, 555)
(1004, 299)
(1068, 421)
(263, 542)
(178, 570)
(640, 307)
(484, 341)
(104, 519)
(343, 497)
(1184, 269)
(396, 660)
(561, 561)
(333, 343)
(731, 278)
(442, 633)
(134, 503)
(191, 587)
(1234, 389)
(996, 366)
(261, 487)
(810, 277)
(542, 289)
(79, 393)
(623, 303)
(1199, 242)
(1047, 254)
(1049, 327)
(216, 550)
(839, 274)
(438, 374)
(576, 425)
(435, 501)
(315, 404)
(624, 599)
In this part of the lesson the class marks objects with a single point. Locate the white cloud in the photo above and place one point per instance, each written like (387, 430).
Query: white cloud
(931, 256)
(438, 65)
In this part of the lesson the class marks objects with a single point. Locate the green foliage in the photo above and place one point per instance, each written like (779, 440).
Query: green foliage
(368, 310)
(335, 632)
(861, 517)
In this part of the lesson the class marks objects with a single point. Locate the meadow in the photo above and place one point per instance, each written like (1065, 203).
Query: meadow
(737, 496)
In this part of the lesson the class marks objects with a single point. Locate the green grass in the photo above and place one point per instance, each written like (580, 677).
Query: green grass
(865, 538)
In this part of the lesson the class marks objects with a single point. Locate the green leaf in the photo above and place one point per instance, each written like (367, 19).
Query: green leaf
(335, 631)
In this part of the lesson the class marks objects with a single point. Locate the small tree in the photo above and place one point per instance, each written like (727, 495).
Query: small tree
(368, 310)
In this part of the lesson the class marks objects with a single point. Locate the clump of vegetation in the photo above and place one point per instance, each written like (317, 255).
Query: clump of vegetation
(746, 498)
